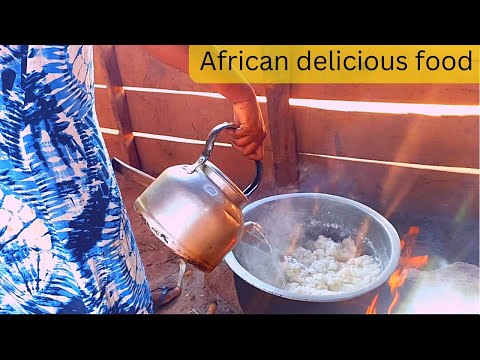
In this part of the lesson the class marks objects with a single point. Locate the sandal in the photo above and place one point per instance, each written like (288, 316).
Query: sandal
(165, 295)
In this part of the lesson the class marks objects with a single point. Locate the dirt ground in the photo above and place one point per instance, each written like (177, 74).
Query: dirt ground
(199, 290)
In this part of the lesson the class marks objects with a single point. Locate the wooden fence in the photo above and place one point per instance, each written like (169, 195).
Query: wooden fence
(354, 140)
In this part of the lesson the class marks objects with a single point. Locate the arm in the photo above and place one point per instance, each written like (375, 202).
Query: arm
(249, 137)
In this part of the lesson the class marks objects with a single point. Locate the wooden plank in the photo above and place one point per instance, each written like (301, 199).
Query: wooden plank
(282, 133)
(119, 102)
(103, 107)
(114, 146)
(139, 69)
(99, 71)
(420, 139)
(157, 155)
(390, 189)
(186, 116)
(449, 94)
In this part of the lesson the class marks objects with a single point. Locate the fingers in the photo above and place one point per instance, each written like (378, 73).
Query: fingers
(241, 132)
(248, 145)
(250, 133)
(230, 133)
(254, 133)
(257, 134)
(244, 141)
(257, 155)
(252, 151)
(247, 149)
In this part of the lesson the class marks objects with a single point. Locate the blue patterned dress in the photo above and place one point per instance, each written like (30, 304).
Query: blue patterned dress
(66, 245)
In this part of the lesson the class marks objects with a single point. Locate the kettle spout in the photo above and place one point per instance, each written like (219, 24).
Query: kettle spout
(251, 225)
(252, 228)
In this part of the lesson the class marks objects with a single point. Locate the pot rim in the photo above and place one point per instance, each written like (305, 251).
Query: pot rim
(380, 280)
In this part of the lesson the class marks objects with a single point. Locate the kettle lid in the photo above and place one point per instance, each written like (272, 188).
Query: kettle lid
(227, 186)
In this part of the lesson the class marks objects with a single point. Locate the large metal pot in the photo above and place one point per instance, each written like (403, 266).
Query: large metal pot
(305, 216)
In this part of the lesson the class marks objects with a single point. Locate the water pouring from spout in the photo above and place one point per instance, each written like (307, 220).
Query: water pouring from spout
(273, 254)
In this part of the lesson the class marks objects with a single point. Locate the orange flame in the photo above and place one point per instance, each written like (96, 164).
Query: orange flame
(372, 307)
(406, 262)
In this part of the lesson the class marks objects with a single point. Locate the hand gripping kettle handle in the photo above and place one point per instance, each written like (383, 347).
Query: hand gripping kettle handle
(208, 150)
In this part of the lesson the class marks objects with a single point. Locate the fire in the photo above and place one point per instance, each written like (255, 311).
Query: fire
(406, 262)
(372, 307)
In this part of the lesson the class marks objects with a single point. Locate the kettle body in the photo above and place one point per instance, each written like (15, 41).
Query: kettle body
(196, 210)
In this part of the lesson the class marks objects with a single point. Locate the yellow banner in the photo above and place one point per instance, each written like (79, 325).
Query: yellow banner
(305, 64)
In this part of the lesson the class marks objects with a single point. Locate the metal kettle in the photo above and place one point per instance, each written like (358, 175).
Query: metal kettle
(195, 210)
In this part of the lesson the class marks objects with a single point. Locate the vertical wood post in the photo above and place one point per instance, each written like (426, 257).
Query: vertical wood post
(282, 134)
(119, 103)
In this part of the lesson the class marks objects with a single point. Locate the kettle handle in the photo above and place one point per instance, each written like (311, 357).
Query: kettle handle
(256, 181)
(208, 150)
